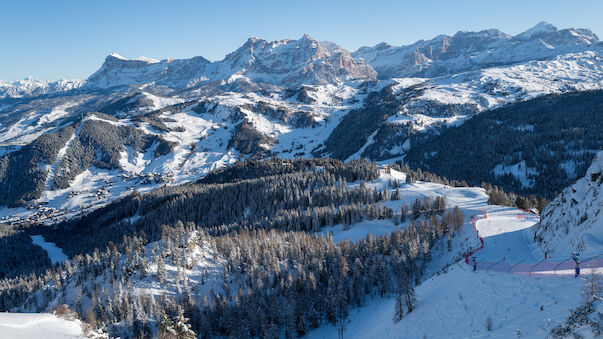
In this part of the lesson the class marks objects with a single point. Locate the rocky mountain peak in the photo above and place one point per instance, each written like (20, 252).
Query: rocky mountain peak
(541, 27)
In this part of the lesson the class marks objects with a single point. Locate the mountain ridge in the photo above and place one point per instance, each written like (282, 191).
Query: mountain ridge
(274, 62)
(465, 51)
(289, 62)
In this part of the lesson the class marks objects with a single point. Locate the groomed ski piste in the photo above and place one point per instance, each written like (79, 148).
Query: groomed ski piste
(546, 266)
(523, 295)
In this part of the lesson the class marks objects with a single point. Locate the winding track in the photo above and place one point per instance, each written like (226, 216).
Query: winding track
(544, 267)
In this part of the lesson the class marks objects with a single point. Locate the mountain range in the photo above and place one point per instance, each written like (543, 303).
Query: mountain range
(289, 98)
(295, 189)
(307, 61)
(465, 51)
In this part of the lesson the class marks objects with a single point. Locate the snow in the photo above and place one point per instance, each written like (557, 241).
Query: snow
(457, 304)
(117, 56)
(358, 154)
(208, 267)
(359, 230)
(541, 27)
(488, 88)
(55, 254)
(569, 166)
(203, 264)
(132, 161)
(471, 200)
(473, 50)
(278, 62)
(454, 303)
(573, 220)
(38, 325)
(56, 113)
(203, 138)
(160, 102)
(421, 122)
(30, 86)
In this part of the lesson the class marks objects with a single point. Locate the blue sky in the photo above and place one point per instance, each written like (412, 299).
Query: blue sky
(70, 39)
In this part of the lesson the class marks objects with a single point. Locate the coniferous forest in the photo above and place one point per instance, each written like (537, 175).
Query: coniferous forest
(243, 252)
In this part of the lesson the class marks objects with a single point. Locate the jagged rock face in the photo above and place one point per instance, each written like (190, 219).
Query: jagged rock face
(573, 220)
(294, 62)
(471, 50)
(297, 61)
(282, 62)
(118, 71)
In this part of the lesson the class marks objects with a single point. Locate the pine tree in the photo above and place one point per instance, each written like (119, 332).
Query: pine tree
(166, 328)
(161, 270)
(396, 195)
(592, 289)
(399, 306)
(182, 327)
(409, 294)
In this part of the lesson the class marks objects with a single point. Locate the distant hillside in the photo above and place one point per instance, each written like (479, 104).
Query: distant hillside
(535, 147)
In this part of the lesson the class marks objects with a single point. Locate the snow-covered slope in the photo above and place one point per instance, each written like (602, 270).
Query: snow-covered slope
(475, 91)
(455, 302)
(471, 50)
(458, 304)
(573, 220)
(38, 325)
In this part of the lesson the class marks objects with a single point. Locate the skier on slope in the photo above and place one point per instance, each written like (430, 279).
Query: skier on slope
(474, 263)
(577, 262)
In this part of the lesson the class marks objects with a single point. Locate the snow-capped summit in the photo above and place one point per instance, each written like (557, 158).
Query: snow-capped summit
(116, 56)
(541, 27)
(473, 50)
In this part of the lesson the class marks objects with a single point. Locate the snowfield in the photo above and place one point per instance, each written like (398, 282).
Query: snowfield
(453, 302)
(457, 304)
(38, 325)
